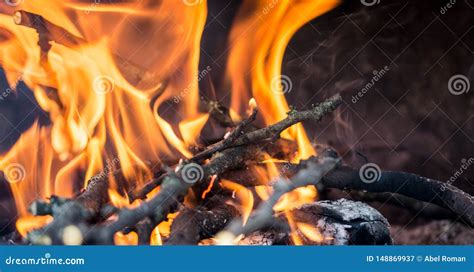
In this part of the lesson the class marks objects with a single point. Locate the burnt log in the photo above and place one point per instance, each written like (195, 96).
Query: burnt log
(345, 222)
(341, 222)
(194, 225)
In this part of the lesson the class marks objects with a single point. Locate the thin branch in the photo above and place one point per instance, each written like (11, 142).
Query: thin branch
(410, 185)
(228, 141)
(263, 215)
(294, 117)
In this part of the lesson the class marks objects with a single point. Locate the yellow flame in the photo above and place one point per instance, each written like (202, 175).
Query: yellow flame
(107, 112)
(129, 239)
(310, 232)
(244, 196)
(155, 239)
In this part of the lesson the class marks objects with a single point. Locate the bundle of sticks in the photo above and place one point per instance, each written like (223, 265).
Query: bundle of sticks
(86, 219)
(90, 218)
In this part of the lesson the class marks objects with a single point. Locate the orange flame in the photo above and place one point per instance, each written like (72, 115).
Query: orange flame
(108, 113)
(244, 196)
(128, 239)
(263, 38)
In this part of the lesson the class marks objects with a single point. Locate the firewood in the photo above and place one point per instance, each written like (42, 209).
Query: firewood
(341, 222)
(172, 192)
(175, 184)
(411, 185)
(195, 224)
(228, 140)
(263, 216)
(273, 132)
(344, 222)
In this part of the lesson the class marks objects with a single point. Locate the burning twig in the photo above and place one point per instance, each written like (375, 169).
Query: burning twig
(340, 222)
(405, 184)
(273, 131)
(228, 141)
(49, 32)
(173, 187)
(194, 225)
(263, 215)
(294, 117)
(236, 137)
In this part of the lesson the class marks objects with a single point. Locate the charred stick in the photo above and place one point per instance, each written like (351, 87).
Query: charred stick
(229, 139)
(174, 188)
(46, 29)
(294, 117)
(273, 131)
(236, 138)
(51, 207)
(147, 188)
(343, 222)
(424, 209)
(279, 149)
(410, 185)
(263, 215)
(194, 225)
(70, 215)
(217, 112)
(144, 229)
(404, 184)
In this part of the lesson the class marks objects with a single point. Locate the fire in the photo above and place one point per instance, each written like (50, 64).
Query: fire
(128, 239)
(107, 87)
(310, 232)
(263, 36)
(243, 195)
(28, 223)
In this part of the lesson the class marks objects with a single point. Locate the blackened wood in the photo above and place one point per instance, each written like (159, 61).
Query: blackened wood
(344, 222)
(195, 224)
(410, 185)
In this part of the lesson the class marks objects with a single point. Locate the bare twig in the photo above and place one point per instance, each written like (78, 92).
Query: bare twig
(410, 185)
(228, 141)
(294, 117)
(263, 215)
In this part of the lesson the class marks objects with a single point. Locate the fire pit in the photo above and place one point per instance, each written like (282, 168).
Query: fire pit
(136, 142)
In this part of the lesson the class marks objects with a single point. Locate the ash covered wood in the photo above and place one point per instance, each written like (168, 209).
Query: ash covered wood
(345, 222)
(340, 222)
